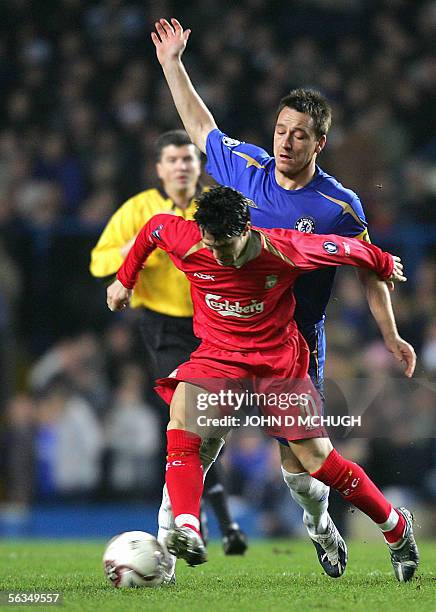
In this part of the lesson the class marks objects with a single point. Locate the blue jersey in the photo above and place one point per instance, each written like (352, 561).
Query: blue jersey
(323, 206)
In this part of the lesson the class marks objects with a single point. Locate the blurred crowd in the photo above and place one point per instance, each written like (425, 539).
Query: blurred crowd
(83, 100)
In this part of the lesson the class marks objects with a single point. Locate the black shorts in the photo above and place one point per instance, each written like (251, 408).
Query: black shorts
(169, 341)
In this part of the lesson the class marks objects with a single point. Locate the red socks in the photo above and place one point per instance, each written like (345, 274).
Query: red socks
(184, 476)
(352, 482)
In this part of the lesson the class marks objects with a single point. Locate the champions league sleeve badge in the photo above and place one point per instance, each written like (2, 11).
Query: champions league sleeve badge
(230, 142)
(331, 247)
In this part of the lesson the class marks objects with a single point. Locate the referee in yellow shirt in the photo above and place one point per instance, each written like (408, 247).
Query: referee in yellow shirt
(166, 323)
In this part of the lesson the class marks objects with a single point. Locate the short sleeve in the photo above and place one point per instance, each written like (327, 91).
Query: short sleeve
(227, 159)
(352, 222)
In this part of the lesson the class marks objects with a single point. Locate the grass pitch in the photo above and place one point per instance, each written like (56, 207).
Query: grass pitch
(274, 575)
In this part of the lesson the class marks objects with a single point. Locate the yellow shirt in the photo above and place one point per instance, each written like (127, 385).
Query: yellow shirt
(161, 286)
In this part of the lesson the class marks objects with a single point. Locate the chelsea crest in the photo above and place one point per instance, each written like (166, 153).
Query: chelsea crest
(305, 224)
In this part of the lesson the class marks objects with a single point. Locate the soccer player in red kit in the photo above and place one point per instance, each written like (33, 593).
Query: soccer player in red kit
(246, 325)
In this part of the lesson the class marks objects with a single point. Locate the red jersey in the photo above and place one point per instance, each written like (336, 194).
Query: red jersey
(248, 308)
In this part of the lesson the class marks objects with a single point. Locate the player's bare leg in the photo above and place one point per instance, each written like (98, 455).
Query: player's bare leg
(313, 496)
(324, 463)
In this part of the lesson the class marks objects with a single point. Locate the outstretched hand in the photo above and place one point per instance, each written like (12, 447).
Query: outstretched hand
(169, 39)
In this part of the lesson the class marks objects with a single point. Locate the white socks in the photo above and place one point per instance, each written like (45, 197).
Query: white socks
(165, 517)
(313, 496)
(166, 522)
(391, 522)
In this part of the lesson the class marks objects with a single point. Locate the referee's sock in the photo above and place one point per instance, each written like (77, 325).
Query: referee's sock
(217, 496)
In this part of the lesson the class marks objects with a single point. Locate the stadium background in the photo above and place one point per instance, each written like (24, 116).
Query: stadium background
(83, 100)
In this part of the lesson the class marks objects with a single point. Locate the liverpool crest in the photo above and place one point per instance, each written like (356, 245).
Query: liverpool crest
(271, 281)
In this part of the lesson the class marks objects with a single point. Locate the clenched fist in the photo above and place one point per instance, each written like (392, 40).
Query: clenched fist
(117, 296)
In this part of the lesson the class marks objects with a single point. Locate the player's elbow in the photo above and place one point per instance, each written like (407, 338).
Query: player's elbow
(367, 277)
(376, 290)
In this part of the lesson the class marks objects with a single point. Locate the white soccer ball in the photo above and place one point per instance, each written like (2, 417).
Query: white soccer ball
(134, 559)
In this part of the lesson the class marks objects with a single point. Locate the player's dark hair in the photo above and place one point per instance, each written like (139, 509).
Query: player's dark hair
(178, 138)
(222, 212)
(312, 103)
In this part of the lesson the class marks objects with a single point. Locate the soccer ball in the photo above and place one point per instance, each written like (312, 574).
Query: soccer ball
(134, 559)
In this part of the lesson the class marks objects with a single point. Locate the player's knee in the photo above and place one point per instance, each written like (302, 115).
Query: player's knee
(314, 461)
(289, 461)
(313, 453)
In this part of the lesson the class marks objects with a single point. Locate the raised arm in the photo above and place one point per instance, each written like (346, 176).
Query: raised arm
(170, 41)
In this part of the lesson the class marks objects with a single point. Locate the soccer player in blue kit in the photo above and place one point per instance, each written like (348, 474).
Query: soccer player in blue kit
(289, 190)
